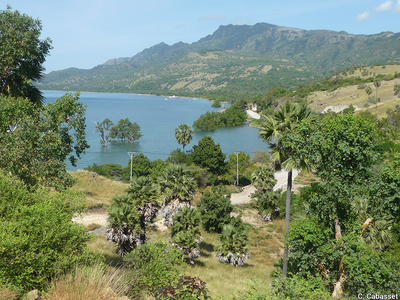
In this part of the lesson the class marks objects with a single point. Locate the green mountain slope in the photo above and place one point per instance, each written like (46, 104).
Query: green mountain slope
(234, 62)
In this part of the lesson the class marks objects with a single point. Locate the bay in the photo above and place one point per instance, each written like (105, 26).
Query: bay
(157, 117)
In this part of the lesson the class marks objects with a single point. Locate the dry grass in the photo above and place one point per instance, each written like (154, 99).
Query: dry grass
(382, 108)
(7, 294)
(318, 101)
(92, 226)
(89, 283)
(99, 190)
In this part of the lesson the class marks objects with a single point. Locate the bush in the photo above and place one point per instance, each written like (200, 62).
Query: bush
(188, 288)
(215, 208)
(38, 238)
(153, 266)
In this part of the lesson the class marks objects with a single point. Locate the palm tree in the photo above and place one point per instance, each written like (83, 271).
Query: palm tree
(377, 84)
(177, 185)
(130, 213)
(183, 135)
(273, 127)
(185, 235)
(263, 178)
(234, 246)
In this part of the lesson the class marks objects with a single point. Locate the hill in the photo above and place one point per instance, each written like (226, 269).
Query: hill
(235, 62)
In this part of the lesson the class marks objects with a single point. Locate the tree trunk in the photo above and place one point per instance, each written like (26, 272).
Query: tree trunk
(287, 222)
(338, 289)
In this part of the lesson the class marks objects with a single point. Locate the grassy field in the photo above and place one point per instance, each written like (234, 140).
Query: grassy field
(222, 280)
(98, 189)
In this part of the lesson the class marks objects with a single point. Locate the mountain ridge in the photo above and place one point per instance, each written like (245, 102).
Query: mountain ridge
(238, 60)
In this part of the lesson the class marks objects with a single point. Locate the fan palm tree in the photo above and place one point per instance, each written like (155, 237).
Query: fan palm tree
(263, 178)
(177, 185)
(130, 213)
(183, 135)
(234, 246)
(273, 127)
(185, 235)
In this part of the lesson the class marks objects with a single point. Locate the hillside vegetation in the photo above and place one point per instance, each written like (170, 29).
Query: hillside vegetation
(234, 62)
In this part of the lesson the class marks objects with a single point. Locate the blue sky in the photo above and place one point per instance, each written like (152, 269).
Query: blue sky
(86, 33)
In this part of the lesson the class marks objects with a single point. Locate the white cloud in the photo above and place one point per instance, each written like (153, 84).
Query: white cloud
(385, 6)
(397, 6)
(363, 17)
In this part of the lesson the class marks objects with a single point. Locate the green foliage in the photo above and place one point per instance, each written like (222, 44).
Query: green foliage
(267, 202)
(35, 141)
(185, 233)
(396, 90)
(179, 157)
(177, 182)
(215, 208)
(242, 159)
(232, 116)
(112, 171)
(261, 156)
(216, 104)
(103, 129)
(183, 135)
(126, 130)
(208, 155)
(263, 178)
(153, 266)
(233, 240)
(22, 55)
(298, 287)
(141, 166)
(188, 288)
(38, 238)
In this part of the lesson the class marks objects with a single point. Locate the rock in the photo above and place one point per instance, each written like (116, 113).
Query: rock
(33, 295)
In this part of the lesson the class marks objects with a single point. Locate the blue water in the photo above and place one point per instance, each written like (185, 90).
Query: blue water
(157, 118)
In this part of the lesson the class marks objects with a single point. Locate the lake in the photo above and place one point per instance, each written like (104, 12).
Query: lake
(157, 117)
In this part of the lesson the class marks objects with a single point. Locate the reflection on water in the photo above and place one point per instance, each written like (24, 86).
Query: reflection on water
(158, 119)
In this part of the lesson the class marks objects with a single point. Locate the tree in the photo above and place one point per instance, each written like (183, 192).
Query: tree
(35, 141)
(103, 130)
(126, 130)
(263, 178)
(208, 155)
(22, 55)
(272, 128)
(377, 84)
(396, 90)
(183, 135)
(215, 209)
(131, 212)
(185, 234)
(233, 247)
(177, 185)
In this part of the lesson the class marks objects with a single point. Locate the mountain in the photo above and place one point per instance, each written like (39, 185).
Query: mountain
(235, 61)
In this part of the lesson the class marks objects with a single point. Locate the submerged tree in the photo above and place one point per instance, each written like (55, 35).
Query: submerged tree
(126, 130)
(103, 130)
(183, 135)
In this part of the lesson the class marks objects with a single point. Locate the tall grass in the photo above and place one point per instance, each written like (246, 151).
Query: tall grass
(99, 190)
(89, 283)
(7, 294)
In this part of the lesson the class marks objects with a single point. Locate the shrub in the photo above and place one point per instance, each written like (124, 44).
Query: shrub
(188, 288)
(38, 237)
(153, 266)
(215, 208)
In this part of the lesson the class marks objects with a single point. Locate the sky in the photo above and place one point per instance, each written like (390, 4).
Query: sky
(86, 33)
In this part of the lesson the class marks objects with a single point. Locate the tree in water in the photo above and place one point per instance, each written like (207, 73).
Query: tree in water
(126, 130)
(183, 135)
(103, 130)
